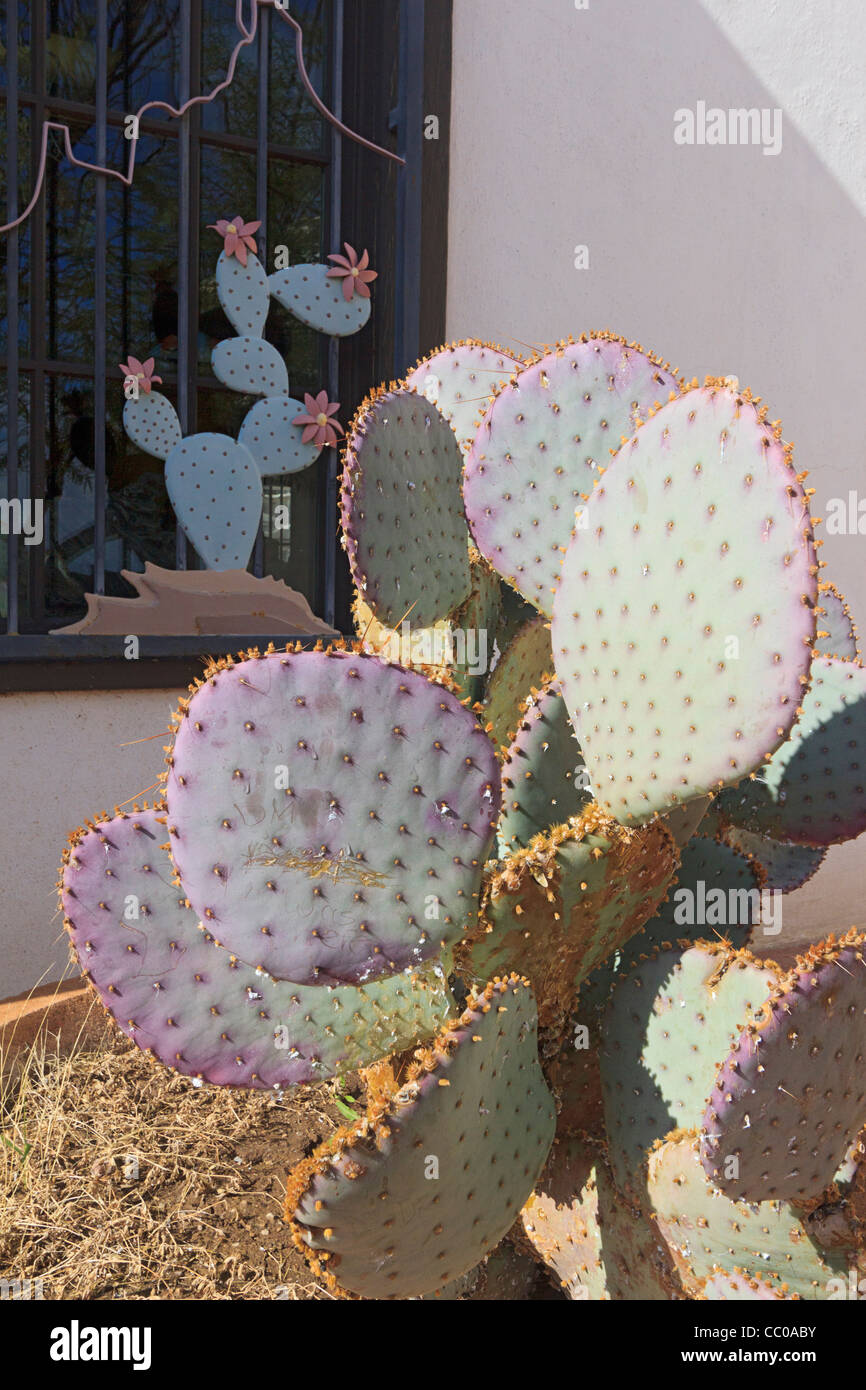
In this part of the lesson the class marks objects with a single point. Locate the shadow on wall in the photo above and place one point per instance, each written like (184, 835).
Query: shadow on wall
(722, 258)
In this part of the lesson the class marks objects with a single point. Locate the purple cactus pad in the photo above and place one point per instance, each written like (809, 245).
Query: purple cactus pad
(330, 814)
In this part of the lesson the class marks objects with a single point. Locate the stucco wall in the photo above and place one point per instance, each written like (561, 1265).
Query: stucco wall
(723, 259)
(63, 760)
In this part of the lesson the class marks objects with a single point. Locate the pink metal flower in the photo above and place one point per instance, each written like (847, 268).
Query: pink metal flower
(237, 236)
(319, 427)
(142, 372)
(356, 276)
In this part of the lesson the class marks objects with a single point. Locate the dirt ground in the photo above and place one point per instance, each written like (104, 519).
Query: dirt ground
(137, 1184)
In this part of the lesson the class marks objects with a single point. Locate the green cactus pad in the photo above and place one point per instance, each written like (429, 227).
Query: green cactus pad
(784, 868)
(556, 910)
(716, 896)
(792, 1093)
(705, 1231)
(671, 1019)
(526, 663)
(402, 513)
(437, 1172)
(460, 380)
(197, 1009)
(560, 1220)
(837, 633)
(746, 806)
(541, 446)
(684, 821)
(683, 625)
(813, 790)
(737, 1287)
(544, 779)
(637, 1262)
(599, 1246)
(330, 814)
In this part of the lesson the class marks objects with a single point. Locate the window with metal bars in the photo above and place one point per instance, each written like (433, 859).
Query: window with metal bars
(99, 270)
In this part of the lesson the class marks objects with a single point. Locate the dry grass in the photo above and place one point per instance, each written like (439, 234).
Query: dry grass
(139, 1185)
(121, 1180)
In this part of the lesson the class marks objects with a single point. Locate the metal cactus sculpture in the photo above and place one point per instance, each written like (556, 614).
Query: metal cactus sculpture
(214, 482)
(587, 843)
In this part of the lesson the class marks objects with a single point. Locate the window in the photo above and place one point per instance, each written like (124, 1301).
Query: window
(100, 270)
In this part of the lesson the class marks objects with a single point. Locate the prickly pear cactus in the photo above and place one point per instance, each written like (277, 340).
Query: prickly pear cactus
(683, 653)
(402, 514)
(525, 665)
(703, 1229)
(541, 446)
(792, 1091)
(599, 1245)
(473, 626)
(438, 1170)
(783, 867)
(813, 789)
(544, 777)
(329, 814)
(572, 1070)
(197, 1009)
(670, 1020)
(460, 380)
(587, 822)
(837, 631)
(717, 895)
(561, 1221)
(737, 1287)
(457, 649)
(562, 905)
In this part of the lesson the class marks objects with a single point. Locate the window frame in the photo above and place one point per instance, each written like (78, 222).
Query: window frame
(402, 214)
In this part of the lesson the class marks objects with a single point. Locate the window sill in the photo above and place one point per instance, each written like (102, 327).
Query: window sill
(78, 662)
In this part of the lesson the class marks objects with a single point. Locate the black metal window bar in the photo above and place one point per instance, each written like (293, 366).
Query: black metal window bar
(35, 368)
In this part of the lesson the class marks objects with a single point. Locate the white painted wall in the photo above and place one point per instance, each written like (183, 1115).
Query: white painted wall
(63, 761)
(722, 259)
